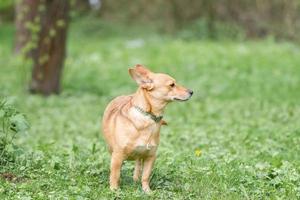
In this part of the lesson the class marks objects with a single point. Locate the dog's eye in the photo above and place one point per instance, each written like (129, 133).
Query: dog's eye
(172, 85)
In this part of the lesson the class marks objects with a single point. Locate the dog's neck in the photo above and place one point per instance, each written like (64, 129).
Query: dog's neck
(144, 100)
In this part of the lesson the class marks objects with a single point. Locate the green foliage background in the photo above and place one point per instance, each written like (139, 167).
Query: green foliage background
(6, 4)
(244, 117)
(225, 18)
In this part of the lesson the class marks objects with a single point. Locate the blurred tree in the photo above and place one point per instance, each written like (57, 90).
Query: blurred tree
(25, 11)
(41, 33)
(257, 18)
(6, 10)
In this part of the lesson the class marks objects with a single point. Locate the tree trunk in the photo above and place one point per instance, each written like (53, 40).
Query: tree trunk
(25, 12)
(45, 44)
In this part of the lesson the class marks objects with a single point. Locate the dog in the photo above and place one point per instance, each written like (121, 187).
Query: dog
(131, 124)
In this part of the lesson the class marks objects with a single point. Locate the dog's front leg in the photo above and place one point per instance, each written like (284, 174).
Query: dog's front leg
(148, 164)
(115, 170)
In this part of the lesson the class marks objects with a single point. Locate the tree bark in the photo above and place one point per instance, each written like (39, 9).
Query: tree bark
(25, 12)
(46, 25)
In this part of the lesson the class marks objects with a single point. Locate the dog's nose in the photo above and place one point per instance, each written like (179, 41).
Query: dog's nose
(191, 92)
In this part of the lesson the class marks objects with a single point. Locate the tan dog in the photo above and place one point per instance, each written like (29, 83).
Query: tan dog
(131, 124)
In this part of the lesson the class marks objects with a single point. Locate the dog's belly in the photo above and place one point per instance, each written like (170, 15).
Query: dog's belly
(142, 151)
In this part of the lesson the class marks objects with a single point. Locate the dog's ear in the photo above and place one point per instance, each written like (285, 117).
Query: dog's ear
(142, 76)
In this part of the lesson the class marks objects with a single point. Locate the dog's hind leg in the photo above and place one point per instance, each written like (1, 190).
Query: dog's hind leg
(137, 170)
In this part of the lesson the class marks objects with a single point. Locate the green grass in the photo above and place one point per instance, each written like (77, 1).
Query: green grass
(244, 116)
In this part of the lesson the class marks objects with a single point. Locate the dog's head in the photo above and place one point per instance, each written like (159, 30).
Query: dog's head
(159, 86)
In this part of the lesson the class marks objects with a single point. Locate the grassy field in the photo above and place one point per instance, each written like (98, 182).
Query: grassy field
(237, 138)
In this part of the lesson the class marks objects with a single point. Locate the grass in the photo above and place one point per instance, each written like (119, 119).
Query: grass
(244, 118)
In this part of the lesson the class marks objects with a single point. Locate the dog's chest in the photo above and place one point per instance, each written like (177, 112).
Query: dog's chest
(141, 151)
(147, 138)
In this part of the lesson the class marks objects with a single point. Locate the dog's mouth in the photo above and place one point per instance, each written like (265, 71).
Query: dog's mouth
(185, 98)
(177, 99)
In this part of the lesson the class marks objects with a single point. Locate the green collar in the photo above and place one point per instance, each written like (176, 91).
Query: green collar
(155, 118)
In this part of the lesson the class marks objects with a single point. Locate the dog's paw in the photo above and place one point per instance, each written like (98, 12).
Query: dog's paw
(114, 188)
(147, 190)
